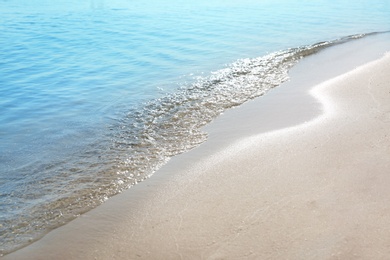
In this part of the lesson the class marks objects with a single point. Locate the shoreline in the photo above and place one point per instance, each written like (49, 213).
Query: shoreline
(189, 206)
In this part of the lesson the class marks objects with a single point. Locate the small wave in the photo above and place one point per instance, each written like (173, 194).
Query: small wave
(172, 124)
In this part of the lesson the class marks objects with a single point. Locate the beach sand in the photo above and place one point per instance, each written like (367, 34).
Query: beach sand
(316, 189)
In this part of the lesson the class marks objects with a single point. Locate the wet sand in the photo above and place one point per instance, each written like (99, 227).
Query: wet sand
(316, 188)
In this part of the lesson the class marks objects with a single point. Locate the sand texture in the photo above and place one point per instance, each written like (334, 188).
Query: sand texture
(318, 190)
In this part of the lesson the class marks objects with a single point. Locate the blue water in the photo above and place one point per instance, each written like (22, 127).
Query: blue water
(97, 95)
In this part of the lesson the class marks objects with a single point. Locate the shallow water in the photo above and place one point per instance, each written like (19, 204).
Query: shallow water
(96, 96)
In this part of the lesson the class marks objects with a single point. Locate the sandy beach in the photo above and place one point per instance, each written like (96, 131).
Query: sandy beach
(315, 189)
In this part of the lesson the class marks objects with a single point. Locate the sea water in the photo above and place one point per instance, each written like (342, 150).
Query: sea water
(96, 95)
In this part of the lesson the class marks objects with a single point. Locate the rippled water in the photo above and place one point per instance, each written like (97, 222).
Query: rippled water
(97, 95)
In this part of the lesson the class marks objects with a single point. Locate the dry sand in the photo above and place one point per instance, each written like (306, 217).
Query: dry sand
(318, 190)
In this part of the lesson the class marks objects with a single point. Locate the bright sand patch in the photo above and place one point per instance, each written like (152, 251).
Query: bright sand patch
(319, 190)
